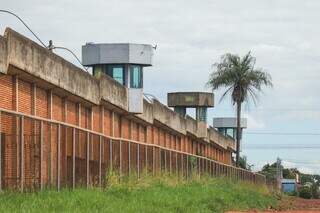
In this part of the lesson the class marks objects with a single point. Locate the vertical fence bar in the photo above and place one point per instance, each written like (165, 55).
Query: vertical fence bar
(129, 158)
(177, 169)
(0, 153)
(22, 152)
(138, 160)
(59, 155)
(73, 158)
(160, 159)
(165, 160)
(181, 158)
(112, 133)
(41, 155)
(153, 159)
(120, 158)
(88, 158)
(100, 161)
(170, 161)
(187, 171)
(110, 155)
(146, 153)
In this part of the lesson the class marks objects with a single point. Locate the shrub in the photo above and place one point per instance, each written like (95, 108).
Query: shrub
(305, 192)
(315, 191)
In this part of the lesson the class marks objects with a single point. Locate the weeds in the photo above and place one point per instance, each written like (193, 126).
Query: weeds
(164, 193)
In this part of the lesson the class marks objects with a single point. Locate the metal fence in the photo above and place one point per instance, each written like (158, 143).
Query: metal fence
(37, 153)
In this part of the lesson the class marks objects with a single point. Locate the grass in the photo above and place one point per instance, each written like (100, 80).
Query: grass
(149, 194)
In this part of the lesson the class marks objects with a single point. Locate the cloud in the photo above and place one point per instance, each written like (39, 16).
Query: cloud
(254, 122)
(307, 169)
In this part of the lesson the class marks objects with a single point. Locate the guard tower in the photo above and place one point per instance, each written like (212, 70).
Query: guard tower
(124, 62)
(180, 101)
(228, 126)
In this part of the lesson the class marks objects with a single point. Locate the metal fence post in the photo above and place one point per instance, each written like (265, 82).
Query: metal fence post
(73, 158)
(177, 168)
(41, 155)
(59, 155)
(153, 159)
(0, 153)
(110, 150)
(100, 161)
(187, 170)
(146, 153)
(182, 170)
(88, 158)
(22, 152)
(129, 158)
(170, 161)
(120, 158)
(165, 160)
(138, 160)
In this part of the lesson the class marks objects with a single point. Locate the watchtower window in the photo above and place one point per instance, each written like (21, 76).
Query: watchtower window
(135, 76)
(116, 72)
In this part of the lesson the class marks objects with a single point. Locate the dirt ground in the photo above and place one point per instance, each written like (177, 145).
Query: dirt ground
(295, 205)
(300, 205)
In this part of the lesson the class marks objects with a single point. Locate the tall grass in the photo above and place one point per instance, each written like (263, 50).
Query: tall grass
(165, 193)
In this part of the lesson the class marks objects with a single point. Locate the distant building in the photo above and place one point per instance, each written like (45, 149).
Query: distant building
(289, 185)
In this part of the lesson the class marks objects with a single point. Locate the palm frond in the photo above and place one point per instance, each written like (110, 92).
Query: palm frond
(239, 75)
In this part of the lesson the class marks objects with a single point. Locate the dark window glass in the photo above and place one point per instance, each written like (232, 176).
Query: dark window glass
(116, 72)
(231, 132)
(135, 76)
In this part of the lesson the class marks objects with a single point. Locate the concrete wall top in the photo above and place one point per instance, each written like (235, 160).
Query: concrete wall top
(147, 114)
(31, 58)
(190, 99)
(220, 139)
(113, 92)
(113, 53)
(229, 122)
(3, 55)
(41, 63)
(168, 117)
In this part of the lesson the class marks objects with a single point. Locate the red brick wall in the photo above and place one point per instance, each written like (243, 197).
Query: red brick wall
(71, 113)
(6, 94)
(24, 97)
(113, 124)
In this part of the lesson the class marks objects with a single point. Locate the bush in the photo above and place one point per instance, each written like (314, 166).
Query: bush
(294, 193)
(315, 191)
(305, 192)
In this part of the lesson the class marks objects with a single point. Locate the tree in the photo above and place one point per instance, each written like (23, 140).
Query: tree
(243, 163)
(242, 80)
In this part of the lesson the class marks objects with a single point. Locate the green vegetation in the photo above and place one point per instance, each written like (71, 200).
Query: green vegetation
(149, 194)
(310, 183)
(242, 80)
(305, 192)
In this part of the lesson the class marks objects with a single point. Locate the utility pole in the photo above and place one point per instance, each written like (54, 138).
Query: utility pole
(279, 173)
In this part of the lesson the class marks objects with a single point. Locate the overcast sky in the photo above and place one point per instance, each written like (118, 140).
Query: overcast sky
(191, 35)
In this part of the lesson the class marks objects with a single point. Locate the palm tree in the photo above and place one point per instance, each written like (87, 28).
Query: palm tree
(242, 80)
